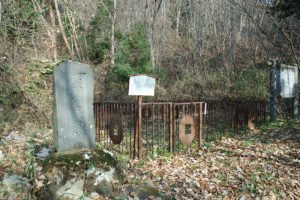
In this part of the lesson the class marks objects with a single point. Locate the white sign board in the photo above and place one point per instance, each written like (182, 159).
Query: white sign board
(141, 85)
(287, 82)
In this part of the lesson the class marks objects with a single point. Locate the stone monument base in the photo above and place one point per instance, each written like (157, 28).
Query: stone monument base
(78, 174)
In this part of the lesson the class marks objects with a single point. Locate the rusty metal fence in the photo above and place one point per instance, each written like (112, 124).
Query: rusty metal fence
(156, 128)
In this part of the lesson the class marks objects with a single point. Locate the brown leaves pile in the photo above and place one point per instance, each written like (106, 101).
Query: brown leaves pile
(262, 165)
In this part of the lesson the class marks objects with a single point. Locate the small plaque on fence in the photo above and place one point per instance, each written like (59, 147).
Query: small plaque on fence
(187, 138)
(141, 85)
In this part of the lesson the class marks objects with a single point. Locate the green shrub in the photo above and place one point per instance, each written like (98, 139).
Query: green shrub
(20, 19)
(98, 40)
(252, 83)
(132, 57)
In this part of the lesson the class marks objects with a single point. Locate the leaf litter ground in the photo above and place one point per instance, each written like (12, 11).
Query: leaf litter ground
(262, 164)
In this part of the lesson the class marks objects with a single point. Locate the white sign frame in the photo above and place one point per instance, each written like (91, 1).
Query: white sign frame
(287, 78)
(141, 85)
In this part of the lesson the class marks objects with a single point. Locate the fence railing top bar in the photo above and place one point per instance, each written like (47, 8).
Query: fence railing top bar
(188, 103)
(180, 103)
(114, 102)
(156, 103)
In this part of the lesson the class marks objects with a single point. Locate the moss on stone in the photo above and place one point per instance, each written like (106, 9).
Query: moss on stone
(61, 168)
(147, 190)
(98, 158)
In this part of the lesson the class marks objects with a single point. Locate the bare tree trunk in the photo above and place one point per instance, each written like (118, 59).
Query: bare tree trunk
(112, 40)
(223, 37)
(52, 20)
(256, 46)
(0, 10)
(38, 9)
(178, 18)
(192, 25)
(232, 33)
(152, 48)
(62, 31)
(201, 28)
(113, 34)
(151, 9)
(242, 24)
(85, 41)
(75, 38)
(127, 18)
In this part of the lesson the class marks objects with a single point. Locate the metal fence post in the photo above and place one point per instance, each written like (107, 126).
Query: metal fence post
(200, 126)
(171, 127)
(140, 126)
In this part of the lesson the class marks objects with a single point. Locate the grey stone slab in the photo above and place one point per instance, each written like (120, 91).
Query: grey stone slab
(73, 118)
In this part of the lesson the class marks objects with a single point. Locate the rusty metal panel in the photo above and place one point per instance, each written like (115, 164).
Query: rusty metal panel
(187, 138)
(116, 126)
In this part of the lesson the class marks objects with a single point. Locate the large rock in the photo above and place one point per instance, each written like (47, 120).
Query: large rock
(73, 118)
(15, 186)
(73, 175)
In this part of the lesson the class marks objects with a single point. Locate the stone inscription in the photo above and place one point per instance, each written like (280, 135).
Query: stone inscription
(73, 107)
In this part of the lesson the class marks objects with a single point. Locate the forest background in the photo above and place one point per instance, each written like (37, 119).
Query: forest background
(197, 49)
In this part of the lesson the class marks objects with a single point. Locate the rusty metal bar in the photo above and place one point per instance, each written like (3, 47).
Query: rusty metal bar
(238, 118)
(105, 123)
(218, 122)
(126, 125)
(120, 109)
(152, 130)
(140, 127)
(156, 103)
(102, 121)
(232, 118)
(188, 103)
(227, 114)
(177, 116)
(147, 125)
(96, 117)
(211, 122)
(158, 125)
(99, 121)
(130, 133)
(200, 126)
(110, 116)
(164, 122)
(171, 126)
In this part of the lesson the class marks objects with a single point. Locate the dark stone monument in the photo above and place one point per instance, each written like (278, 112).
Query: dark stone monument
(73, 119)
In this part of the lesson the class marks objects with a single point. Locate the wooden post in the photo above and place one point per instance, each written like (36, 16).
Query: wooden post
(138, 130)
(171, 127)
(136, 133)
(272, 90)
(200, 126)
